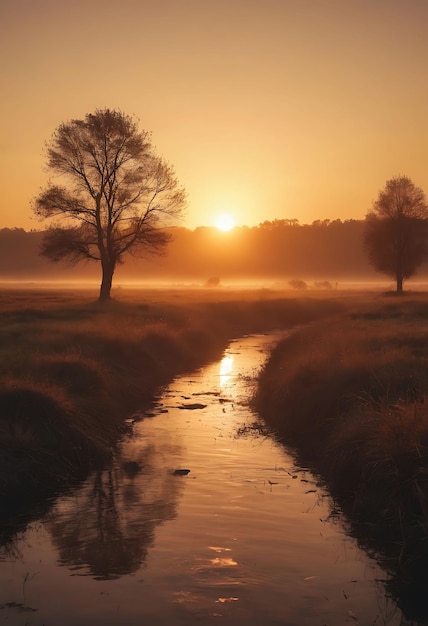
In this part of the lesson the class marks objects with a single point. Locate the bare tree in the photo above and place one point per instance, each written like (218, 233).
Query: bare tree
(396, 230)
(116, 195)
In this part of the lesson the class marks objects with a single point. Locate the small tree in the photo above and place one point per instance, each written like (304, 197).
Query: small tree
(396, 230)
(116, 195)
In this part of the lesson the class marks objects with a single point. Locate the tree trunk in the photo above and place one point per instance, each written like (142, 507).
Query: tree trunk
(107, 278)
(399, 283)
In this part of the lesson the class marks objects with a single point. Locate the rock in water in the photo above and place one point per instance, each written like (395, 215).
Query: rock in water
(192, 407)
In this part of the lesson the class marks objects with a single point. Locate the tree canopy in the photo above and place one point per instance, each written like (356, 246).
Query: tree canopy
(396, 230)
(114, 196)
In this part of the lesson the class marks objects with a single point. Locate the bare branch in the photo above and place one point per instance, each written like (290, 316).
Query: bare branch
(115, 195)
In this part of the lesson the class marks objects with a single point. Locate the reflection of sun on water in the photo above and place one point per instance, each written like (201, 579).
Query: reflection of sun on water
(226, 368)
(223, 562)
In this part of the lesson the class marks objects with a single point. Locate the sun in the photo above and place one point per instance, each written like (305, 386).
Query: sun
(225, 222)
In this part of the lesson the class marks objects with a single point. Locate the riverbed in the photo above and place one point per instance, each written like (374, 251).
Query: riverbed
(202, 518)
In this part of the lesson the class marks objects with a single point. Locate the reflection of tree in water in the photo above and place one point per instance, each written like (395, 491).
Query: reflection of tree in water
(109, 524)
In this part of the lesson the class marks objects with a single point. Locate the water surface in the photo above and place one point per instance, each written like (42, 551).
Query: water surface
(244, 537)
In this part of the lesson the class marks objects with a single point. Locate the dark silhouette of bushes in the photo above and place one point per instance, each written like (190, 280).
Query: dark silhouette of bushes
(297, 284)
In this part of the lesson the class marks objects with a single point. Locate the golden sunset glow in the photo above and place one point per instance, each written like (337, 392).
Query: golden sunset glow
(214, 312)
(304, 124)
(225, 222)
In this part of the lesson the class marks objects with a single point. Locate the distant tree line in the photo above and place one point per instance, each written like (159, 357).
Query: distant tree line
(284, 250)
(281, 249)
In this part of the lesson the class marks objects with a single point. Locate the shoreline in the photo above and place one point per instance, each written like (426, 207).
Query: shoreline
(349, 398)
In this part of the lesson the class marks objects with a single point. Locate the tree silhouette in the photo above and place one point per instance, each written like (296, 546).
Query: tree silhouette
(116, 196)
(396, 230)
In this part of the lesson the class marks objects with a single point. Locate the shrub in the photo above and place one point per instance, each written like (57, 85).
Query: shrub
(213, 281)
(323, 284)
(297, 284)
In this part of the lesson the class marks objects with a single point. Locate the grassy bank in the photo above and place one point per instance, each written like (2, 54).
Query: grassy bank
(71, 372)
(350, 395)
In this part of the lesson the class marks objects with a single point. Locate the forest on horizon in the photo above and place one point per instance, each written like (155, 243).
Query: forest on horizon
(279, 249)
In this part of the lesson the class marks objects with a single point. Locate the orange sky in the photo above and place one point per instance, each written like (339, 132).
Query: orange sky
(266, 108)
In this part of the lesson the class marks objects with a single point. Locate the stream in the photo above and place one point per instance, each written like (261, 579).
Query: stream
(202, 518)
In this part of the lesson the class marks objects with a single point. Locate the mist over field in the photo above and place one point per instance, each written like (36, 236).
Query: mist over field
(271, 254)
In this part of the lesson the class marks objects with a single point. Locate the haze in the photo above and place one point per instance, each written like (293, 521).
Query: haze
(276, 109)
